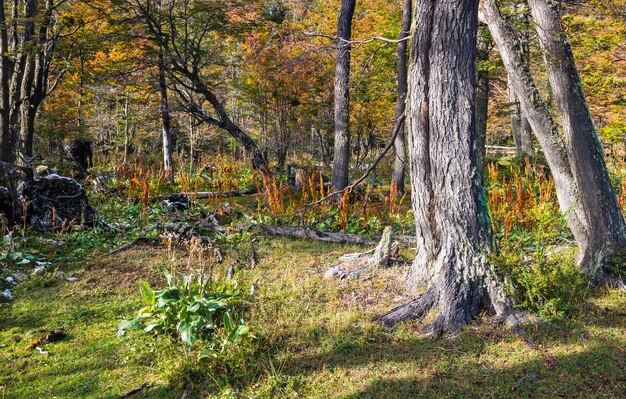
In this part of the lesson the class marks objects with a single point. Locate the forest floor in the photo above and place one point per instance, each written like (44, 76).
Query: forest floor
(312, 338)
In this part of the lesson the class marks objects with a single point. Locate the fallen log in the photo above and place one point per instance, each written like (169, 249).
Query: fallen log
(201, 195)
(305, 233)
(498, 149)
(310, 233)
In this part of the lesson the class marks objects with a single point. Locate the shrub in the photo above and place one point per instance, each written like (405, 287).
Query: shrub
(549, 285)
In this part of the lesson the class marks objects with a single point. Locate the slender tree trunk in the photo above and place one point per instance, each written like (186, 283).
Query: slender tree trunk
(6, 145)
(515, 113)
(483, 48)
(397, 179)
(192, 142)
(454, 231)
(27, 109)
(166, 120)
(577, 163)
(606, 230)
(520, 127)
(341, 160)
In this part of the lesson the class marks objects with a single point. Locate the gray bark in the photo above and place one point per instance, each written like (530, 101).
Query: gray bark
(483, 48)
(576, 163)
(520, 127)
(24, 76)
(454, 231)
(166, 120)
(341, 160)
(605, 227)
(6, 144)
(397, 179)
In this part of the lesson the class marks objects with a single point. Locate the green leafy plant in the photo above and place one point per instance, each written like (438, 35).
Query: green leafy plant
(549, 285)
(9, 255)
(189, 312)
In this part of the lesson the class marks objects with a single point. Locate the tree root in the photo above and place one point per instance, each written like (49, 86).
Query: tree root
(430, 300)
(413, 310)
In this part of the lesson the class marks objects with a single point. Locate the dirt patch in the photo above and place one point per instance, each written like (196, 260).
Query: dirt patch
(124, 270)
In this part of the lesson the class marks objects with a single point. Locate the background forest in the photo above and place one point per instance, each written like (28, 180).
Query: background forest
(206, 244)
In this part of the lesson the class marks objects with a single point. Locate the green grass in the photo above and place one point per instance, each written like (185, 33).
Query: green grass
(313, 339)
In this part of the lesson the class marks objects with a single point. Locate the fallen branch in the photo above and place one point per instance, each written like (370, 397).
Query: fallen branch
(140, 388)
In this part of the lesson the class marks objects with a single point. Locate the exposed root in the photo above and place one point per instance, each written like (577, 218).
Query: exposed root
(412, 310)
(616, 282)
(454, 312)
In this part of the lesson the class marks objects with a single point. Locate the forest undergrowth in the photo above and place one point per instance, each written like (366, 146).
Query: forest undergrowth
(276, 327)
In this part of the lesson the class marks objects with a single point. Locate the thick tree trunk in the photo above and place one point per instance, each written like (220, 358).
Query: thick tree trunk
(341, 160)
(577, 164)
(606, 230)
(454, 231)
(397, 179)
(483, 48)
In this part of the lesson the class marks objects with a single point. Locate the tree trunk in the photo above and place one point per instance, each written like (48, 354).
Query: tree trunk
(454, 231)
(341, 160)
(397, 179)
(520, 128)
(166, 120)
(483, 48)
(606, 230)
(5, 132)
(583, 197)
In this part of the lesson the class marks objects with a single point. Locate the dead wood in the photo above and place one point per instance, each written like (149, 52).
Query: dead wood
(140, 388)
(359, 262)
(310, 233)
(202, 195)
(44, 203)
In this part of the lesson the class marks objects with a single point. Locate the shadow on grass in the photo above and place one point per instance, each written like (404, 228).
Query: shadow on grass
(585, 359)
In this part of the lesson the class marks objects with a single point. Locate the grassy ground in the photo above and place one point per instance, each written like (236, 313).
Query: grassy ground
(312, 340)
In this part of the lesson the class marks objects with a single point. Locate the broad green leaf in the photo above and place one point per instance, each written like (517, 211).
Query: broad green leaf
(129, 324)
(147, 294)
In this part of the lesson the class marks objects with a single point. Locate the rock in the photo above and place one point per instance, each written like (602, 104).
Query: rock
(39, 271)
